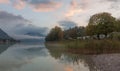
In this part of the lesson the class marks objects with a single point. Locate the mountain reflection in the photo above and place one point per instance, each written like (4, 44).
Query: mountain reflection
(20, 54)
(39, 57)
(4, 47)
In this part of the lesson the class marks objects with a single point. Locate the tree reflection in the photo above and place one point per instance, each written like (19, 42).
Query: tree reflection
(95, 62)
(61, 54)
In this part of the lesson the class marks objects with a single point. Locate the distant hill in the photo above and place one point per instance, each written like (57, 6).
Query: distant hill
(35, 34)
(33, 40)
(30, 37)
(5, 38)
(4, 35)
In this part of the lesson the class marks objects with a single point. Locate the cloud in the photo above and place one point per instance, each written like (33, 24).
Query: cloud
(66, 24)
(4, 1)
(73, 9)
(16, 25)
(115, 4)
(114, 0)
(37, 5)
(19, 4)
(91, 7)
(44, 5)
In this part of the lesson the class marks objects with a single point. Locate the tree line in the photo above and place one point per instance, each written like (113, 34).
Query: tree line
(100, 23)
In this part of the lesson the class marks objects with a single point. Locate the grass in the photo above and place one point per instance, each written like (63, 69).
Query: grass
(88, 46)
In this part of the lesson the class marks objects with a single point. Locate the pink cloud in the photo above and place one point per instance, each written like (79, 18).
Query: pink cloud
(73, 9)
(19, 4)
(37, 7)
(4, 1)
(45, 7)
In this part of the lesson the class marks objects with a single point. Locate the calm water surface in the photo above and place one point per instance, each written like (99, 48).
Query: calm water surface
(37, 57)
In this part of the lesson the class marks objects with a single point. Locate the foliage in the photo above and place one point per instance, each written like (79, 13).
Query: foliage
(55, 34)
(101, 23)
(115, 36)
(75, 32)
(117, 25)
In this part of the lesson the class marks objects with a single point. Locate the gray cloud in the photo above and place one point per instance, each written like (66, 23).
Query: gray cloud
(113, 0)
(66, 24)
(17, 25)
(38, 1)
(114, 4)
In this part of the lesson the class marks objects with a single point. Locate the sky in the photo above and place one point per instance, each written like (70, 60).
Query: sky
(24, 15)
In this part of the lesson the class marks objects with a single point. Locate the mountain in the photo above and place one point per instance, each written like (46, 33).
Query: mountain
(35, 34)
(31, 36)
(28, 37)
(4, 35)
(32, 40)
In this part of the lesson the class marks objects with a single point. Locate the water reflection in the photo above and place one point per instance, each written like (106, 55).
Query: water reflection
(38, 57)
(4, 47)
(19, 55)
(95, 62)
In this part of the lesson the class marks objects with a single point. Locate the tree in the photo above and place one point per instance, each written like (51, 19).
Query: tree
(81, 31)
(101, 23)
(56, 34)
(74, 32)
(117, 25)
(90, 30)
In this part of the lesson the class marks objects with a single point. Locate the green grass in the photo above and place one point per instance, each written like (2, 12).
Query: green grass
(88, 46)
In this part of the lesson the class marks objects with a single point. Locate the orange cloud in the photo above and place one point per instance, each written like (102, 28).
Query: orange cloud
(4, 1)
(19, 4)
(74, 9)
(46, 7)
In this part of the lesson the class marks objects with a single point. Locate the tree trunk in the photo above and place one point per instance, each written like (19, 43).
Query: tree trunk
(98, 37)
(105, 35)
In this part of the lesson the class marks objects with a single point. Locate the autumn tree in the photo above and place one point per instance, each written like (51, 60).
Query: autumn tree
(55, 34)
(101, 23)
(117, 25)
(74, 32)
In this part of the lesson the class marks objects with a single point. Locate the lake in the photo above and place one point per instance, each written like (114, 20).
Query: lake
(38, 57)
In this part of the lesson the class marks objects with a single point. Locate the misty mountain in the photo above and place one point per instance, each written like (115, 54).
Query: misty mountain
(35, 34)
(20, 28)
(4, 35)
(32, 40)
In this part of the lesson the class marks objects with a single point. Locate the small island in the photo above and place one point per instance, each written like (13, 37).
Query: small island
(101, 35)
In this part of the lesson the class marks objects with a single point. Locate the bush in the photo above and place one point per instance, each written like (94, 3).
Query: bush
(115, 36)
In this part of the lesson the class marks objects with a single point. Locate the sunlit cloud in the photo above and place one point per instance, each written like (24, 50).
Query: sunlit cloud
(37, 5)
(45, 7)
(19, 4)
(4, 1)
(78, 11)
(74, 9)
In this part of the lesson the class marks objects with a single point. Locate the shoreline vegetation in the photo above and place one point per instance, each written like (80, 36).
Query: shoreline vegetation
(105, 46)
(101, 35)
(86, 46)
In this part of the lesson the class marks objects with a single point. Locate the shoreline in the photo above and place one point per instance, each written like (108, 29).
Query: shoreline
(87, 46)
